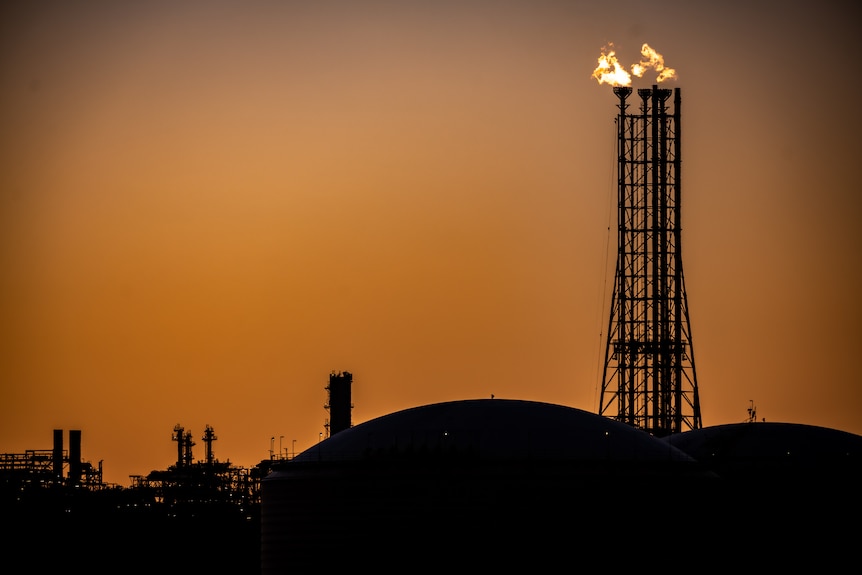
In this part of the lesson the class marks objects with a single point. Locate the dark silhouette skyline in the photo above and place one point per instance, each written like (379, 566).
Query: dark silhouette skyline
(207, 209)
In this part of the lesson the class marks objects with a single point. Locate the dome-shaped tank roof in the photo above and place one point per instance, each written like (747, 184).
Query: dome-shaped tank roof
(477, 480)
(494, 429)
(362, 495)
(768, 448)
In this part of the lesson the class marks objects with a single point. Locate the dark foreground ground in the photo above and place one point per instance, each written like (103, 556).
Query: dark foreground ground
(531, 524)
(93, 533)
(768, 524)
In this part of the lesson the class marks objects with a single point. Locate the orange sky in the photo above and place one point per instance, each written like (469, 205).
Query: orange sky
(204, 210)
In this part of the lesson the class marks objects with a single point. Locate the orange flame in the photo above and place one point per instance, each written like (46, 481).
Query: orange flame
(610, 71)
(653, 60)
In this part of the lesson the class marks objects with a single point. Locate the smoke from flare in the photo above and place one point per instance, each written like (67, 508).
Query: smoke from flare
(610, 71)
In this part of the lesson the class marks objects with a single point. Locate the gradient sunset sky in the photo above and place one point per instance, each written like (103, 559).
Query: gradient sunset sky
(208, 206)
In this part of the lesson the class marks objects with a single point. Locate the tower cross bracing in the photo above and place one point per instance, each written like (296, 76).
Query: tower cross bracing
(649, 378)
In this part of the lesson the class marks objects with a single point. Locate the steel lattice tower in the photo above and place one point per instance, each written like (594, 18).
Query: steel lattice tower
(649, 376)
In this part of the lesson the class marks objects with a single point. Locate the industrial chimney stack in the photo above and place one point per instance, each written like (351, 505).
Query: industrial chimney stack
(339, 404)
(75, 467)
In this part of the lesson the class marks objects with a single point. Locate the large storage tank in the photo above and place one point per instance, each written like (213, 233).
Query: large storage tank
(477, 482)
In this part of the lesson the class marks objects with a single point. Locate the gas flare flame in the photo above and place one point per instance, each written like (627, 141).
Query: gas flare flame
(610, 71)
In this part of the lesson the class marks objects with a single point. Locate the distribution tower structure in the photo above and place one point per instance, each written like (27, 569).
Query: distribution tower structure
(649, 378)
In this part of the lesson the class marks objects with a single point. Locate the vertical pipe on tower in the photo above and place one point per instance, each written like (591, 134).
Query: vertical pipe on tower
(653, 189)
(678, 293)
(57, 456)
(625, 393)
